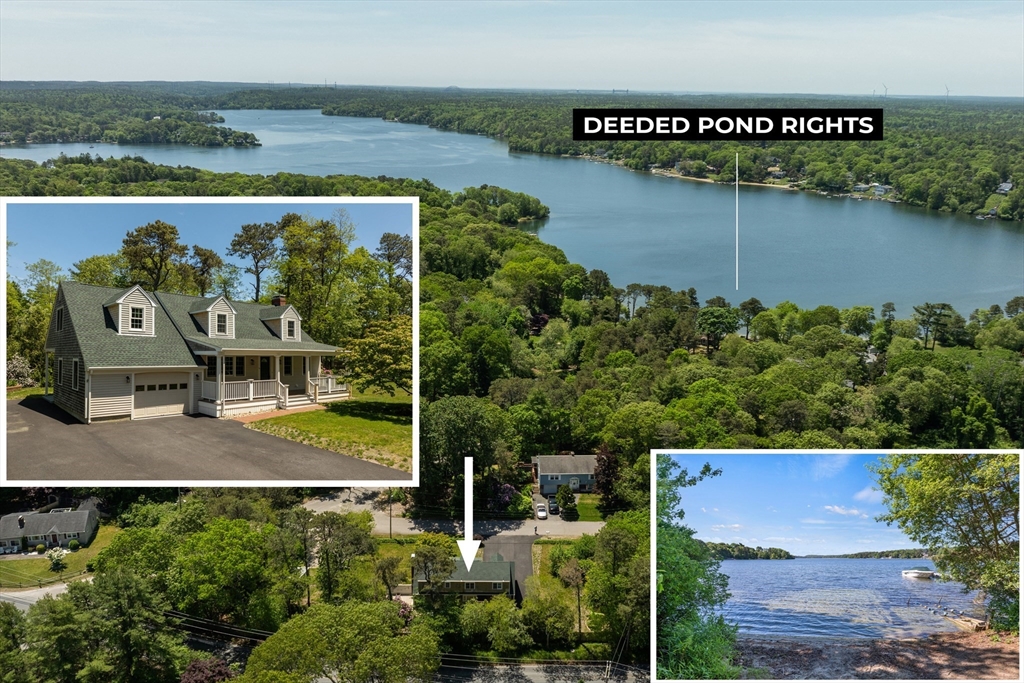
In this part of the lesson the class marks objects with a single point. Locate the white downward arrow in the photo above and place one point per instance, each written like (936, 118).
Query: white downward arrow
(468, 547)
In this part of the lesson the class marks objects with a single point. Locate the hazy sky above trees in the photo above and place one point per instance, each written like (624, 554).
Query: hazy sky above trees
(915, 48)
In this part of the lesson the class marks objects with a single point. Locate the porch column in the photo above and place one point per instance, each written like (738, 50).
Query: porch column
(220, 378)
(306, 361)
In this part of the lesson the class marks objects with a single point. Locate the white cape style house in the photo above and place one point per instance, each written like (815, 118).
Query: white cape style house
(129, 353)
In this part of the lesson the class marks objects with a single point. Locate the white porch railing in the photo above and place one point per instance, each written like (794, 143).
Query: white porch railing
(210, 390)
(236, 391)
(264, 388)
(329, 385)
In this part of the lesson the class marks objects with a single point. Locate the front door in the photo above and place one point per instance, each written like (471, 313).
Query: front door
(264, 367)
(54, 537)
(574, 483)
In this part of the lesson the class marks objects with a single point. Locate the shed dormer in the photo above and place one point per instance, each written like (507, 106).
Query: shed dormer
(283, 320)
(216, 315)
(133, 312)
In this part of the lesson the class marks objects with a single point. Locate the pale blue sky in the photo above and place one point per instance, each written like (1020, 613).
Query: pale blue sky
(66, 233)
(807, 504)
(916, 48)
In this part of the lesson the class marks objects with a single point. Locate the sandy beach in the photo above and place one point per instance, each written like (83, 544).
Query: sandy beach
(938, 657)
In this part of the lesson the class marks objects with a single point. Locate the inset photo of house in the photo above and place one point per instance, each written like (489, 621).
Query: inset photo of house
(210, 341)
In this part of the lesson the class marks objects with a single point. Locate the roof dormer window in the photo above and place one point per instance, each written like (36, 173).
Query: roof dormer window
(291, 329)
(138, 318)
(222, 323)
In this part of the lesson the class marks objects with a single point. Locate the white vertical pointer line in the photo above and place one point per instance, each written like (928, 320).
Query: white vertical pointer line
(468, 547)
(737, 221)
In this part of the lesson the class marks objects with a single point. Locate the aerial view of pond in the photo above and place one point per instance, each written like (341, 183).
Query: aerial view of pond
(854, 598)
(643, 228)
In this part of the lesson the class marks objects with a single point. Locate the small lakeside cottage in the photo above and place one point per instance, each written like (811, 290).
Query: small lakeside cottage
(129, 353)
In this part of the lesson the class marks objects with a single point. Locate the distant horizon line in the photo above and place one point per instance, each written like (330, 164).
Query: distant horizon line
(273, 85)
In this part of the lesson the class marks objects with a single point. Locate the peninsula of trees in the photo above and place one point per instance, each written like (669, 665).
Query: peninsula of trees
(120, 116)
(738, 551)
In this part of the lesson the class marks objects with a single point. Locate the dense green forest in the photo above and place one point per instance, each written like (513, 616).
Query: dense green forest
(738, 551)
(111, 116)
(559, 359)
(903, 554)
(944, 155)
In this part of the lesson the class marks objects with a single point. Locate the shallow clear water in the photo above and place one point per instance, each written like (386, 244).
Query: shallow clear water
(643, 228)
(839, 598)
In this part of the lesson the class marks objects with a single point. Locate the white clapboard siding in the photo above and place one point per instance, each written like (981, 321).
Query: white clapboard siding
(221, 306)
(138, 300)
(290, 314)
(110, 396)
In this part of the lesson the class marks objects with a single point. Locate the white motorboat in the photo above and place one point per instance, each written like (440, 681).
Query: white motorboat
(919, 573)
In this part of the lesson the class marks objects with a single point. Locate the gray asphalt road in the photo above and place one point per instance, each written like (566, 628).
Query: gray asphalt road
(518, 549)
(358, 499)
(44, 443)
(455, 671)
(26, 598)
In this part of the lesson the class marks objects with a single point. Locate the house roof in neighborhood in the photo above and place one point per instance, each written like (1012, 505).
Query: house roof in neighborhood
(39, 523)
(565, 464)
(481, 571)
(100, 343)
(251, 333)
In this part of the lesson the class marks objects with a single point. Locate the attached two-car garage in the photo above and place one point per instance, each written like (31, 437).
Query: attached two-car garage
(144, 394)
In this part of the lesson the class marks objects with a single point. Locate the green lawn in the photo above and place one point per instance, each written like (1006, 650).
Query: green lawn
(28, 573)
(586, 506)
(19, 394)
(369, 426)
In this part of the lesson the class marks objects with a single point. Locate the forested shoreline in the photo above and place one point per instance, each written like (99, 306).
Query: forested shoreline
(112, 116)
(940, 155)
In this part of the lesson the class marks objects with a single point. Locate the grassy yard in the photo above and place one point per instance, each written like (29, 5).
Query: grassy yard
(24, 392)
(373, 427)
(28, 573)
(586, 506)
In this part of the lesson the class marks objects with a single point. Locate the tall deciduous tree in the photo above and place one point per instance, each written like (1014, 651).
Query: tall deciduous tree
(257, 244)
(153, 252)
(382, 359)
(349, 642)
(965, 508)
(340, 539)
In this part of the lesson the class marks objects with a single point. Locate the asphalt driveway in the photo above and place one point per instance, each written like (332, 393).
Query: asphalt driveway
(518, 549)
(44, 442)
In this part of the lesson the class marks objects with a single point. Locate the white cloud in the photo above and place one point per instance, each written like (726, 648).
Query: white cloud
(840, 510)
(719, 527)
(827, 466)
(703, 509)
(771, 508)
(782, 539)
(813, 521)
(868, 495)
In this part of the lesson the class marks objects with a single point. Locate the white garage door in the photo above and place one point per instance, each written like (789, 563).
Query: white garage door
(161, 393)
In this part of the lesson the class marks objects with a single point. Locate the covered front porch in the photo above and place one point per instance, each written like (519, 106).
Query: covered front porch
(240, 382)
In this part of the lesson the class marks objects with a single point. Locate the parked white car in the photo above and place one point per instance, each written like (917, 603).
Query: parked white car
(542, 512)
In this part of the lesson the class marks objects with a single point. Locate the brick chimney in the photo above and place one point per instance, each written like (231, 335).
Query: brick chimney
(279, 300)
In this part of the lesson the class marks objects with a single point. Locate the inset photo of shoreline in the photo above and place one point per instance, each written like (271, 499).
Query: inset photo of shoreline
(804, 565)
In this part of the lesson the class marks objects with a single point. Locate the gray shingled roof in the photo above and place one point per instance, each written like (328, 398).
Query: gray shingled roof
(481, 571)
(565, 464)
(251, 333)
(38, 523)
(103, 347)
